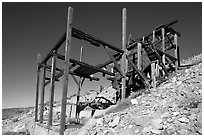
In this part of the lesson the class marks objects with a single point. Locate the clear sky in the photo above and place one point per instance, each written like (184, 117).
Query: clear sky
(32, 28)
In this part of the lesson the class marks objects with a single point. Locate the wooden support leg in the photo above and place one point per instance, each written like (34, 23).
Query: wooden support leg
(66, 70)
(153, 75)
(37, 88)
(139, 56)
(153, 37)
(157, 68)
(70, 112)
(42, 95)
(77, 103)
(177, 62)
(50, 115)
(123, 60)
(163, 45)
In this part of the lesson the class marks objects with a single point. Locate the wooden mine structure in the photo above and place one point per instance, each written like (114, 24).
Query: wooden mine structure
(140, 63)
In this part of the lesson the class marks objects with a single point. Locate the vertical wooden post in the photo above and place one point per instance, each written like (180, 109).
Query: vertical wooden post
(42, 95)
(66, 69)
(153, 75)
(70, 112)
(153, 37)
(52, 82)
(139, 56)
(177, 63)
(123, 60)
(37, 87)
(163, 45)
(81, 54)
(157, 68)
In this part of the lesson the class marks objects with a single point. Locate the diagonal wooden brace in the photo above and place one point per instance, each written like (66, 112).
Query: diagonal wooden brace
(142, 75)
(114, 60)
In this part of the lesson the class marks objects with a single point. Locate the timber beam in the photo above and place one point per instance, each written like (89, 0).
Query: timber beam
(85, 64)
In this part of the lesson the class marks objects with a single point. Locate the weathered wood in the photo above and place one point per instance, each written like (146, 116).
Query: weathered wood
(177, 62)
(157, 68)
(163, 45)
(153, 75)
(51, 101)
(37, 87)
(66, 70)
(123, 60)
(153, 37)
(79, 89)
(70, 112)
(85, 65)
(81, 54)
(141, 74)
(114, 60)
(94, 41)
(139, 56)
(42, 95)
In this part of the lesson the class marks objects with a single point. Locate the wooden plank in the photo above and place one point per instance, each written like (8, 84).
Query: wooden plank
(37, 87)
(66, 70)
(85, 65)
(153, 75)
(42, 95)
(123, 60)
(50, 114)
(163, 45)
(139, 56)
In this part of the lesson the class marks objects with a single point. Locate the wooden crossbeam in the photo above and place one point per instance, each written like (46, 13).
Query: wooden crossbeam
(95, 41)
(85, 64)
(46, 78)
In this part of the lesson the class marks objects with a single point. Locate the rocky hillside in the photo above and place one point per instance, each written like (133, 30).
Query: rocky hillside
(174, 107)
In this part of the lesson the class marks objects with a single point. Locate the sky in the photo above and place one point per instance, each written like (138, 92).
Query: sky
(29, 29)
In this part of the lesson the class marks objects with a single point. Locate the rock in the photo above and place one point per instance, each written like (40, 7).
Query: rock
(99, 113)
(115, 122)
(155, 131)
(99, 121)
(179, 82)
(200, 131)
(130, 126)
(183, 120)
(176, 113)
(134, 101)
(166, 115)
(85, 114)
(192, 116)
(157, 123)
(182, 132)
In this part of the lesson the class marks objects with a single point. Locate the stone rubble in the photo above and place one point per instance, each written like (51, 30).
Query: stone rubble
(173, 108)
